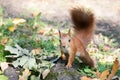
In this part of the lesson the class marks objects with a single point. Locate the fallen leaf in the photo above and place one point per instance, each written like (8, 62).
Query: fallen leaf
(18, 20)
(36, 51)
(98, 74)
(4, 66)
(114, 69)
(4, 41)
(44, 31)
(36, 14)
(95, 79)
(106, 48)
(45, 73)
(41, 32)
(25, 75)
(20, 77)
(110, 58)
(12, 28)
(104, 75)
(85, 78)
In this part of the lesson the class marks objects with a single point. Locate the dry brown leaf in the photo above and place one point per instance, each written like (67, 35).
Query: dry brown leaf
(25, 75)
(4, 41)
(98, 74)
(107, 48)
(44, 31)
(35, 14)
(114, 69)
(41, 32)
(36, 51)
(95, 79)
(85, 78)
(104, 75)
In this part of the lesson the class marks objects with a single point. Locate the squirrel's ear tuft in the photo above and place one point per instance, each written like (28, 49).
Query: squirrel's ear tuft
(59, 33)
(69, 32)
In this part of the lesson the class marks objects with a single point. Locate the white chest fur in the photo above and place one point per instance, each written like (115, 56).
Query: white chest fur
(67, 50)
(77, 53)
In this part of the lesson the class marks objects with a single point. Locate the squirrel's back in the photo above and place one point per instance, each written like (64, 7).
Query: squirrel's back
(82, 18)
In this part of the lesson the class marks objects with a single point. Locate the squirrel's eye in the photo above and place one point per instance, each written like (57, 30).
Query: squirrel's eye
(60, 40)
(69, 40)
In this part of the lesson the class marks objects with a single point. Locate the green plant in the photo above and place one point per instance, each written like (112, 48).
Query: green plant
(2, 56)
(24, 58)
(2, 76)
(87, 72)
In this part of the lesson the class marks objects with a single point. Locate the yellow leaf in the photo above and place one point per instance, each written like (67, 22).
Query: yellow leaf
(114, 69)
(12, 28)
(85, 78)
(98, 74)
(25, 75)
(26, 71)
(20, 77)
(45, 73)
(18, 20)
(36, 14)
(104, 75)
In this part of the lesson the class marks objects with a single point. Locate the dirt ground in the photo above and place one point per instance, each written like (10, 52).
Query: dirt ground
(107, 12)
(60, 8)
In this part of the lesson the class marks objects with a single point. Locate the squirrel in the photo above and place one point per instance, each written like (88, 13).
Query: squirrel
(72, 45)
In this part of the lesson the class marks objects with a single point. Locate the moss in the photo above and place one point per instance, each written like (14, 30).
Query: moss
(51, 76)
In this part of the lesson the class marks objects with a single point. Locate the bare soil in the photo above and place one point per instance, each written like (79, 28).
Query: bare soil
(107, 12)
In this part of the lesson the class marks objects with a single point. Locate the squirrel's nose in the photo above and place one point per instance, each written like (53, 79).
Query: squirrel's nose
(63, 46)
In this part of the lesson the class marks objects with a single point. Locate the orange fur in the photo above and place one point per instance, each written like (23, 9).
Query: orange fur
(83, 21)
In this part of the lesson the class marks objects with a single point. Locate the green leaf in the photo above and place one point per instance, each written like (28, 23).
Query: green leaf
(21, 61)
(88, 70)
(12, 50)
(1, 72)
(17, 50)
(118, 72)
(16, 63)
(21, 50)
(1, 11)
(31, 64)
(33, 77)
(11, 56)
(101, 67)
(2, 77)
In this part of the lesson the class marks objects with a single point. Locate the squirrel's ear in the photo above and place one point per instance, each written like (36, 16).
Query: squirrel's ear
(69, 32)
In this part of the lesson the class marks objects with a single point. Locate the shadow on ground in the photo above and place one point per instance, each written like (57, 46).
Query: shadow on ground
(109, 29)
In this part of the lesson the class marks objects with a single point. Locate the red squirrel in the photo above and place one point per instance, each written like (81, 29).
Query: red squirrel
(72, 45)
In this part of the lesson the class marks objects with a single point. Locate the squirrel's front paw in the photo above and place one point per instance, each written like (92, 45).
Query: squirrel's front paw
(68, 66)
(63, 57)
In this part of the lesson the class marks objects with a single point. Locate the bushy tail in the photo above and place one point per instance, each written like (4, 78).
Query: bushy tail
(82, 18)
